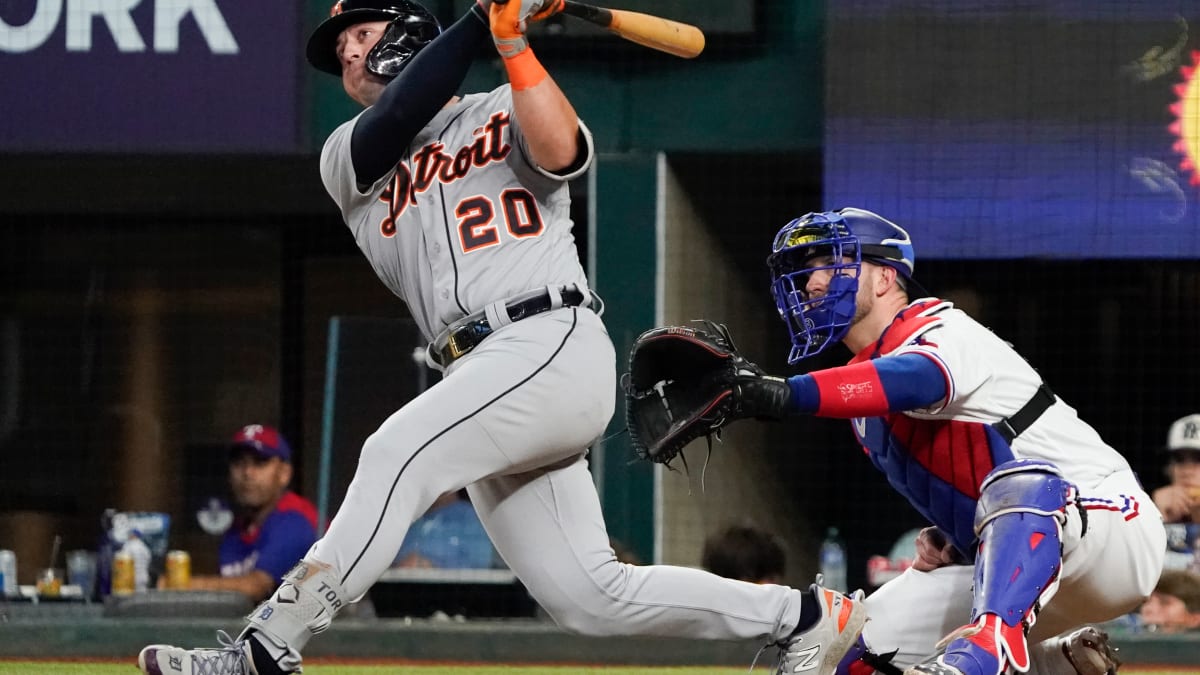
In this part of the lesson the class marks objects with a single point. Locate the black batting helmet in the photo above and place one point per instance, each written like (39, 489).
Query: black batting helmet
(411, 28)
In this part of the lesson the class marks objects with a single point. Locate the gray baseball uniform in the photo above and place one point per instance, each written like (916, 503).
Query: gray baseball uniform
(476, 239)
(465, 223)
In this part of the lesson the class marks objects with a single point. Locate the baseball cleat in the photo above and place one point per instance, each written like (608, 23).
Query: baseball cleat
(819, 649)
(932, 668)
(1090, 653)
(231, 658)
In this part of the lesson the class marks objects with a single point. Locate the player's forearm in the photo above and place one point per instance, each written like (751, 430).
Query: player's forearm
(406, 105)
(549, 123)
(870, 389)
(256, 585)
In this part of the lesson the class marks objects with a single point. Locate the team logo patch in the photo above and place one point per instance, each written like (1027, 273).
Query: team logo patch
(175, 663)
(266, 613)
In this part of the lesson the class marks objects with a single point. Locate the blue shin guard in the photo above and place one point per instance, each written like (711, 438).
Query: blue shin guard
(1019, 521)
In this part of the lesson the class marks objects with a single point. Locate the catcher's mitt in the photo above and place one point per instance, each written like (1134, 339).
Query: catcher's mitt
(683, 383)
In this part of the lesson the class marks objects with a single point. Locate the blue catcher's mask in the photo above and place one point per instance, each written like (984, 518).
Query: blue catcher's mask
(837, 241)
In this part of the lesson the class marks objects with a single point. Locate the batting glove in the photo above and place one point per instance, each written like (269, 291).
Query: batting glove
(508, 26)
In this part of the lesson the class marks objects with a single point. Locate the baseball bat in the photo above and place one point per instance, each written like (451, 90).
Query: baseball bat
(655, 32)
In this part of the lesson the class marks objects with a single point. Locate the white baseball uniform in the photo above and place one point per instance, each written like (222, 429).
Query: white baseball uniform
(1106, 571)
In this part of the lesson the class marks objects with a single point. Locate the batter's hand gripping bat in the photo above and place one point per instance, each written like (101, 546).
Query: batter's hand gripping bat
(655, 32)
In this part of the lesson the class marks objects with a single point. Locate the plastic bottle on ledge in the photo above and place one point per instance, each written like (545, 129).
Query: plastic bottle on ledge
(141, 560)
(105, 549)
(833, 561)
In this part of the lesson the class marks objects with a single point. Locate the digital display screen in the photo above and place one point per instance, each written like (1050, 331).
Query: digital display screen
(1001, 129)
(172, 76)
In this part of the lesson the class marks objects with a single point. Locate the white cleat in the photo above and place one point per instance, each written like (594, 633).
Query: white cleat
(819, 650)
(232, 657)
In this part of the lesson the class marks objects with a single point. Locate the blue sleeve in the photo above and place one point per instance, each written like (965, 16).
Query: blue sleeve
(285, 537)
(384, 131)
(911, 381)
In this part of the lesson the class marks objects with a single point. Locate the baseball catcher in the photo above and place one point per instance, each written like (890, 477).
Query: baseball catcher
(685, 382)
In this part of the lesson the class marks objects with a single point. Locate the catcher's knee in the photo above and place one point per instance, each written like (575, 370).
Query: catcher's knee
(1023, 486)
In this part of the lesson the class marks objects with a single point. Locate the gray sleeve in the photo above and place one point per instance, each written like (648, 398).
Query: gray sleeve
(337, 169)
(588, 152)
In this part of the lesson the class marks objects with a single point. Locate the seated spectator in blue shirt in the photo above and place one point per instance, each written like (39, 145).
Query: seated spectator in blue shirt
(448, 536)
(273, 528)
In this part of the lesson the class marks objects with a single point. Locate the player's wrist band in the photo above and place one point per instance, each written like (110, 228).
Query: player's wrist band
(524, 70)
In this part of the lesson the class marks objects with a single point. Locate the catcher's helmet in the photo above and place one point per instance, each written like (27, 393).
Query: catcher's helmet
(411, 28)
(842, 239)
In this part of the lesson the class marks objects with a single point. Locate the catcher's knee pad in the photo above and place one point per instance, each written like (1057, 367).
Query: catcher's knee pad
(303, 605)
(1019, 520)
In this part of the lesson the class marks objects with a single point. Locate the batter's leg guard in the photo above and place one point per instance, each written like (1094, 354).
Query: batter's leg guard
(303, 605)
(1018, 521)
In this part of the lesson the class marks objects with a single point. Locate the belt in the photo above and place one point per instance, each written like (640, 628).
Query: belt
(463, 335)
(1011, 427)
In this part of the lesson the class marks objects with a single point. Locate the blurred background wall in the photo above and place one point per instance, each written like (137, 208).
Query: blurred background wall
(170, 263)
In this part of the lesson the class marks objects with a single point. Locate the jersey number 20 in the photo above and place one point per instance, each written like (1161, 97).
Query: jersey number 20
(476, 219)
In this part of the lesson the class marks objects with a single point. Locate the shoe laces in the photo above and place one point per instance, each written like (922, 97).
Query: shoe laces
(785, 644)
(228, 659)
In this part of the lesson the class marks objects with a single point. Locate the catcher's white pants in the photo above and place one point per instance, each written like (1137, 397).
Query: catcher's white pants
(1105, 573)
(511, 421)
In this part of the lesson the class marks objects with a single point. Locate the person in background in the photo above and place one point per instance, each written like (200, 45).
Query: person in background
(273, 527)
(448, 536)
(1174, 606)
(1179, 500)
(745, 552)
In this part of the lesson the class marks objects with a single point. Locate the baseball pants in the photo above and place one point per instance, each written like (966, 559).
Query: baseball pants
(511, 422)
(1106, 573)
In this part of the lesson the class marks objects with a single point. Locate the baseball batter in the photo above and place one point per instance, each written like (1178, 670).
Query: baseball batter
(1059, 529)
(461, 207)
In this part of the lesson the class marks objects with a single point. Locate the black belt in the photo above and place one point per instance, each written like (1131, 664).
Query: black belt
(465, 334)
(1011, 427)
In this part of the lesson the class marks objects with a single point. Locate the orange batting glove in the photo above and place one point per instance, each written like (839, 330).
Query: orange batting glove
(508, 28)
(508, 32)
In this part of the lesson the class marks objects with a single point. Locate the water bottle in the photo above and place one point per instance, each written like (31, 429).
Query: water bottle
(105, 549)
(833, 561)
(141, 560)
